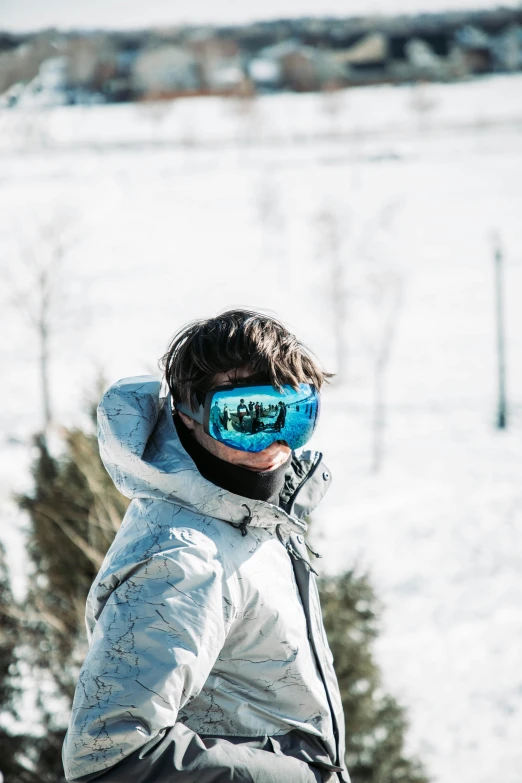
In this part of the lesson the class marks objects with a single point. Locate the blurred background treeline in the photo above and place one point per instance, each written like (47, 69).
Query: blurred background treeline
(302, 55)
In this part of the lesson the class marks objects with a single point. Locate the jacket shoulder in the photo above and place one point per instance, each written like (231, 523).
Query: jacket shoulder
(153, 530)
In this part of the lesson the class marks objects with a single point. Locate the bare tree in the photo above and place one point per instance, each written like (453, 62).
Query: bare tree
(330, 230)
(388, 299)
(381, 291)
(35, 289)
(369, 291)
(154, 113)
(422, 103)
(272, 221)
(244, 106)
(333, 102)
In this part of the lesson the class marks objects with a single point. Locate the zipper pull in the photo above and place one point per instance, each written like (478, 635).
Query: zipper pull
(291, 551)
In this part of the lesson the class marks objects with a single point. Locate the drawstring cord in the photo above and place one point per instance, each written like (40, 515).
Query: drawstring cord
(293, 552)
(287, 545)
(243, 525)
(312, 551)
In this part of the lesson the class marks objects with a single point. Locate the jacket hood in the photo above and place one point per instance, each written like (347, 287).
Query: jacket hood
(142, 453)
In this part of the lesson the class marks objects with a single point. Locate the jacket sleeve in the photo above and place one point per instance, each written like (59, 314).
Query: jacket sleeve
(154, 644)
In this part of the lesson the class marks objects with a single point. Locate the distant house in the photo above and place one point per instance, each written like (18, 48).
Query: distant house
(220, 63)
(475, 46)
(21, 64)
(164, 71)
(265, 73)
(265, 68)
(420, 60)
(423, 59)
(227, 75)
(506, 49)
(366, 58)
(299, 71)
(91, 64)
(295, 66)
(48, 88)
(83, 55)
(371, 49)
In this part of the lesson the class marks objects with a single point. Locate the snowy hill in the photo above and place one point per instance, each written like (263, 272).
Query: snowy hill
(173, 211)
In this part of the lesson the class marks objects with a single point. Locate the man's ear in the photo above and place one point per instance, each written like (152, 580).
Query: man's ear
(187, 421)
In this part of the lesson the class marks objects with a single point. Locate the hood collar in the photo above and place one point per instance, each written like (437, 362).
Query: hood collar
(142, 453)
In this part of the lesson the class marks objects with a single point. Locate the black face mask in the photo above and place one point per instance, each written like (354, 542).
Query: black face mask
(257, 485)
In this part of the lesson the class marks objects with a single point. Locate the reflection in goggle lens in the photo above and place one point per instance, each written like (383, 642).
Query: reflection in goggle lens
(252, 418)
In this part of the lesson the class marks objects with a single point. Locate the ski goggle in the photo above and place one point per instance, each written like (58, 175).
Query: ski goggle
(250, 418)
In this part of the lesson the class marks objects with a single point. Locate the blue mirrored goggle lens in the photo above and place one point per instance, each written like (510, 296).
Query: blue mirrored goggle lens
(253, 417)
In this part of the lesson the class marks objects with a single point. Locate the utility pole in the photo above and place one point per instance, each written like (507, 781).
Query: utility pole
(499, 313)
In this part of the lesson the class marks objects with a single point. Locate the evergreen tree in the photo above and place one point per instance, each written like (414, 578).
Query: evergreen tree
(74, 512)
(8, 634)
(11, 743)
(375, 722)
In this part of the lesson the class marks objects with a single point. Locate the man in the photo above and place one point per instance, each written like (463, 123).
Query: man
(281, 417)
(215, 416)
(226, 417)
(242, 411)
(208, 660)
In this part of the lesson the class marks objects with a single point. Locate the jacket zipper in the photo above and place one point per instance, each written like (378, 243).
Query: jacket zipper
(295, 557)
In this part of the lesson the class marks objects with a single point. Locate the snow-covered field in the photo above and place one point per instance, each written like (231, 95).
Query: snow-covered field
(171, 212)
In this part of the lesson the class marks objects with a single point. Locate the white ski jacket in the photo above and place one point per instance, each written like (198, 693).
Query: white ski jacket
(206, 646)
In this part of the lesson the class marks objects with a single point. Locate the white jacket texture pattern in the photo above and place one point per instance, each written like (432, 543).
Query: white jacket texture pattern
(190, 623)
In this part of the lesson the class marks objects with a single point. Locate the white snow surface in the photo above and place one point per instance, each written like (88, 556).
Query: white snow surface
(180, 210)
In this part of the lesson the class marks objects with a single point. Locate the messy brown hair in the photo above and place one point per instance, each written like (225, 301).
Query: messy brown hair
(237, 339)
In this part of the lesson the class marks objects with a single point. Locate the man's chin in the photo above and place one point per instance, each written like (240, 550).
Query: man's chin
(267, 463)
(263, 468)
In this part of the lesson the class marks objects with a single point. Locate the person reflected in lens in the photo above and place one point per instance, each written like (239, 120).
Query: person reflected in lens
(242, 411)
(281, 417)
(215, 415)
(226, 417)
